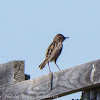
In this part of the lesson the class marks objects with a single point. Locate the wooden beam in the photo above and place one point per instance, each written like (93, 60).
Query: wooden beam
(78, 78)
(11, 72)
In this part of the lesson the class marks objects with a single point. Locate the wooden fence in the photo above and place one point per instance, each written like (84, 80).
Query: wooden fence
(15, 86)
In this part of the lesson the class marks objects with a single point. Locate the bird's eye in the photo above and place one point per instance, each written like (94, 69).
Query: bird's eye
(61, 38)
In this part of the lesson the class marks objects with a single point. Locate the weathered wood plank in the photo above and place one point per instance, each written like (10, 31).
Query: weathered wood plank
(85, 95)
(65, 82)
(92, 94)
(98, 94)
(11, 72)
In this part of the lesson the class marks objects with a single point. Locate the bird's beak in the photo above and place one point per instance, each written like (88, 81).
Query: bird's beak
(66, 37)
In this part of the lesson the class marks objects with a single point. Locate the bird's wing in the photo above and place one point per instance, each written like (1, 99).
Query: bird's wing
(54, 51)
(49, 50)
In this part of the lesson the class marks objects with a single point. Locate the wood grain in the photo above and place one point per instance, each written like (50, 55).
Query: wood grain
(11, 72)
(79, 78)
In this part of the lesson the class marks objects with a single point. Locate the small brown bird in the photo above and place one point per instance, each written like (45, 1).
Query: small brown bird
(53, 51)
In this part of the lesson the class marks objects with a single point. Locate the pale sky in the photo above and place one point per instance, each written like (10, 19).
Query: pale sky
(27, 27)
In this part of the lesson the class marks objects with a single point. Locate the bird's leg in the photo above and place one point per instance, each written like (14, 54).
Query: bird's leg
(57, 66)
(49, 68)
(51, 77)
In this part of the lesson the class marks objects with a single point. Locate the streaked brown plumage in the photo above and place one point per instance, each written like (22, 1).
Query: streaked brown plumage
(53, 51)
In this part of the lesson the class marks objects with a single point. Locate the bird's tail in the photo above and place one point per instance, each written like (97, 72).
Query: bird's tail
(42, 65)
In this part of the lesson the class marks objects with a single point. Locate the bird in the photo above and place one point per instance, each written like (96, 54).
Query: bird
(53, 51)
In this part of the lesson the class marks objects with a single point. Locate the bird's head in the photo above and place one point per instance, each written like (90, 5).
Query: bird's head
(59, 38)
